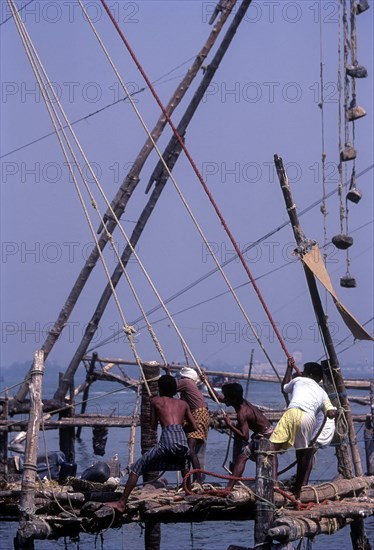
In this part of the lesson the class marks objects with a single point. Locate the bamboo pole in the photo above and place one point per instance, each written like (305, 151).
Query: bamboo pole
(147, 211)
(249, 374)
(173, 367)
(369, 434)
(89, 380)
(27, 526)
(321, 317)
(134, 423)
(264, 495)
(125, 191)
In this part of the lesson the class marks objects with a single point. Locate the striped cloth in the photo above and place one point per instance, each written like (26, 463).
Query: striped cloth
(202, 419)
(170, 453)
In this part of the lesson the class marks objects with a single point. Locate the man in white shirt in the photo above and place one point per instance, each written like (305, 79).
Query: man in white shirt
(306, 400)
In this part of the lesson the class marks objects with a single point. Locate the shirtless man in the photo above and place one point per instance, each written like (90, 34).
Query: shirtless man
(171, 452)
(249, 418)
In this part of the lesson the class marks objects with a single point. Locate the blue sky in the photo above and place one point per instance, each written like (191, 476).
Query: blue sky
(263, 100)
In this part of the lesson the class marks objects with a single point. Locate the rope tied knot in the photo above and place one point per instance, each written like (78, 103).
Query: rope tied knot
(128, 329)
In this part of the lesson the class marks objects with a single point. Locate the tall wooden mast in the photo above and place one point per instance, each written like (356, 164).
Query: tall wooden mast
(322, 321)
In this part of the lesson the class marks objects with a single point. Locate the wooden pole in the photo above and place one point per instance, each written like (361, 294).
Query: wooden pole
(342, 451)
(320, 314)
(67, 434)
(358, 528)
(369, 434)
(148, 439)
(152, 536)
(27, 500)
(249, 374)
(146, 213)
(176, 367)
(264, 495)
(89, 379)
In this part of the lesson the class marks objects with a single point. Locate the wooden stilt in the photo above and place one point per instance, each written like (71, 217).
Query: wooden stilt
(67, 434)
(28, 527)
(358, 536)
(89, 380)
(152, 536)
(264, 494)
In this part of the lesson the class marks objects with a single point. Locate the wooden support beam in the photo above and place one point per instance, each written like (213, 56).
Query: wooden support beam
(264, 494)
(28, 526)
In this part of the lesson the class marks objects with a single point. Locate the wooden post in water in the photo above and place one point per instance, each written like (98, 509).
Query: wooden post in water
(89, 379)
(148, 439)
(67, 435)
(264, 495)
(29, 527)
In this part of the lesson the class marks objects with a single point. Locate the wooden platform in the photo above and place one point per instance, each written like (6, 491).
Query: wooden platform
(326, 508)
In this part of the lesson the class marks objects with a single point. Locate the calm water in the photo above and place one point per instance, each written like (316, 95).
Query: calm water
(204, 536)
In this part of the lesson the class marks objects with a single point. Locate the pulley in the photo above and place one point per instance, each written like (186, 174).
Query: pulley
(342, 241)
(347, 281)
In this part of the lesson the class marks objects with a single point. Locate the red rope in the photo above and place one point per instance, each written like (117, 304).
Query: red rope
(201, 179)
(299, 505)
(218, 492)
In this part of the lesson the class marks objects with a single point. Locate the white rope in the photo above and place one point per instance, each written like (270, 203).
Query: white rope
(207, 244)
(30, 52)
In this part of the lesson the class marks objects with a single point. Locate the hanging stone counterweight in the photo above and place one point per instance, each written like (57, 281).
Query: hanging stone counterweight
(342, 241)
(353, 113)
(354, 195)
(356, 71)
(349, 153)
(347, 281)
(361, 6)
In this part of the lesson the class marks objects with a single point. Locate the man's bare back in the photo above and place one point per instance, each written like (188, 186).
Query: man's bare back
(169, 411)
